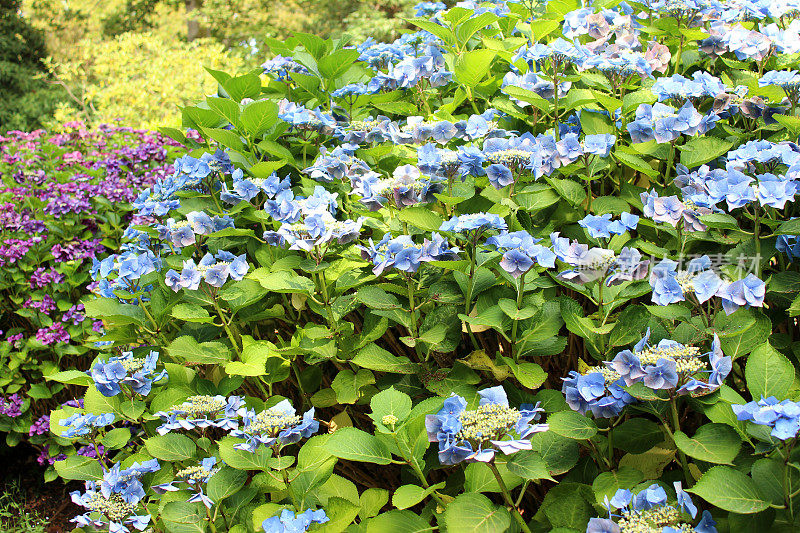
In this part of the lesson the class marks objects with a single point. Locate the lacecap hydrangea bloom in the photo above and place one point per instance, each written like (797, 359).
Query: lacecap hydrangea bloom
(520, 252)
(404, 255)
(139, 373)
(596, 389)
(783, 417)
(672, 365)
(476, 435)
(78, 425)
(593, 264)
(671, 285)
(290, 522)
(194, 477)
(201, 412)
(650, 512)
(473, 224)
(214, 269)
(113, 502)
(277, 426)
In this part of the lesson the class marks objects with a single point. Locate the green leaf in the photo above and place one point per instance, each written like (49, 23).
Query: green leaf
(571, 191)
(398, 522)
(377, 298)
(509, 307)
(528, 465)
(768, 373)
(246, 86)
(71, 377)
(355, 445)
(475, 513)
(258, 117)
(637, 435)
(700, 150)
(730, 490)
(714, 443)
(606, 484)
(184, 517)
(79, 468)
(635, 162)
(410, 495)
(471, 67)
(390, 402)
(242, 459)
(227, 108)
(225, 138)
(376, 358)
(372, 501)
(225, 482)
(421, 217)
(191, 313)
(348, 384)
(116, 438)
(186, 348)
(112, 311)
(630, 324)
(333, 65)
(443, 33)
(285, 281)
(171, 447)
(572, 425)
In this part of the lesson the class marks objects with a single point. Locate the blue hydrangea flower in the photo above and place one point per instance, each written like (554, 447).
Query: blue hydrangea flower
(672, 365)
(650, 510)
(520, 252)
(139, 373)
(473, 224)
(276, 426)
(477, 435)
(598, 390)
(783, 417)
(201, 412)
(194, 477)
(114, 502)
(403, 254)
(79, 425)
(289, 522)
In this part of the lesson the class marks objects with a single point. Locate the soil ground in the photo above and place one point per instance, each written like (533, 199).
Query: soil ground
(23, 491)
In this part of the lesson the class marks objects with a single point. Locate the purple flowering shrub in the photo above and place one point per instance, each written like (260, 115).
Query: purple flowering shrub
(64, 200)
(529, 268)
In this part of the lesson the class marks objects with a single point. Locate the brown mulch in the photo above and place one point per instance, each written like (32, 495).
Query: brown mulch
(22, 481)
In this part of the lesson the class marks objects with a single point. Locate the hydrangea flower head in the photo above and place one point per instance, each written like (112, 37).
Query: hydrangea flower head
(650, 511)
(596, 389)
(672, 365)
(194, 477)
(783, 417)
(278, 425)
(476, 435)
(201, 412)
(139, 373)
(290, 522)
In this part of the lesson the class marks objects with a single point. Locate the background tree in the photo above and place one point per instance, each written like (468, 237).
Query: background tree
(27, 97)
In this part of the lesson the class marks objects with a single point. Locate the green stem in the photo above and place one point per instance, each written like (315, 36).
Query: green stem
(413, 311)
(756, 229)
(676, 426)
(670, 161)
(520, 293)
(507, 497)
(225, 325)
(470, 288)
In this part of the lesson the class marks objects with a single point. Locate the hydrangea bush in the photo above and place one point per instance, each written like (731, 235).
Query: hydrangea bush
(529, 268)
(65, 200)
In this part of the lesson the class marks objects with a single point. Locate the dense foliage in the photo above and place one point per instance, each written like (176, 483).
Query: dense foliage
(23, 76)
(65, 199)
(527, 269)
